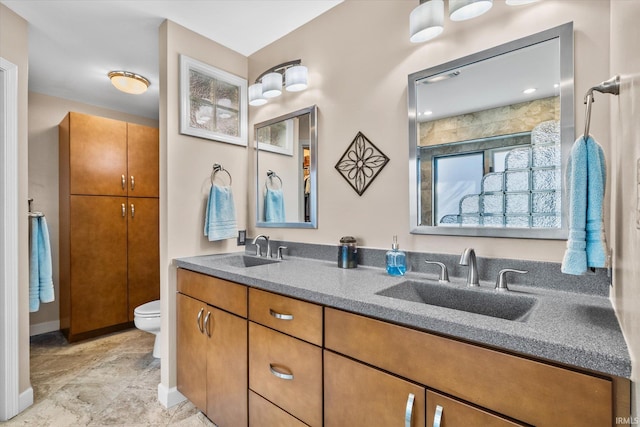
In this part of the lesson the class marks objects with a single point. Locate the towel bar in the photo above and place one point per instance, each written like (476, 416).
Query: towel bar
(611, 86)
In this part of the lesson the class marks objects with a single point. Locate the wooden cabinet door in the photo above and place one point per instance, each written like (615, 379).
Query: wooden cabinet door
(227, 373)
(98, 236)
(191, 350)
(143, 161)
(358, 395)
(446, 412)
(143, 251)
(97, 155)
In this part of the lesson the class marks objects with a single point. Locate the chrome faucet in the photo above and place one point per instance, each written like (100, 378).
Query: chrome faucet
(258, 251)
(469, 258)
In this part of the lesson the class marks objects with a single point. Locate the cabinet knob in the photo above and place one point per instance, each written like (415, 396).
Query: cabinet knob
(199, 321)
(280, 316)
(133, 210)
(206, 324)
(124, 210)
(278, 373)
(437, 417)
(133, 183)
(124, 182)
(408, 412)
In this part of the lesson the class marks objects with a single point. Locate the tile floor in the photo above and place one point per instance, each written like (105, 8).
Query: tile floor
(106, 381)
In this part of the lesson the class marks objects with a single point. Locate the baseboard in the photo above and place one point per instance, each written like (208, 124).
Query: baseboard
(26, 399)
(169, 397)
(44, 327)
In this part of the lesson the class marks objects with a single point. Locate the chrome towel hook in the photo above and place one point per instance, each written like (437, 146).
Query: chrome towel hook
(611, 86)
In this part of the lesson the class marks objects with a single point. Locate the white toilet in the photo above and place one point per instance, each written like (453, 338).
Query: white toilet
(147, 318)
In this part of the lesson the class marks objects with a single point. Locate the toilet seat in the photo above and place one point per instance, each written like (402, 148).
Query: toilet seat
(150, 309)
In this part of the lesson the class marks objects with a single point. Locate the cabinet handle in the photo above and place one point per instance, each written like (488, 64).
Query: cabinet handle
(277, 373)
(280, 316)
(408, 412)
(199, 321)
(438, 416)
(124, 210)
(206, 324)
(133, 210)
(124, 182)
(133, 183)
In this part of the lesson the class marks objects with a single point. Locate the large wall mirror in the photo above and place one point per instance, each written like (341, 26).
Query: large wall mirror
(286, 170)
(489, 139)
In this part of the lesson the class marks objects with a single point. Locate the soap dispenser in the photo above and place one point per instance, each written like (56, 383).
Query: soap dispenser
(396, 260)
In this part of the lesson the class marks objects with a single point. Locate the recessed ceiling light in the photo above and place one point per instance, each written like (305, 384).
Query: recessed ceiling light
(529, 91)
(428, 113)
(556, 85)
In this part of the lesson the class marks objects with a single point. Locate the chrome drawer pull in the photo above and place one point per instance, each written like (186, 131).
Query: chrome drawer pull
(124, 182)
(280, 315)
(133, 183)
(408, 412)
(206, 324)
(133, 210)
(279, 374)
(199, 321)
(438, 416)
(124, 210)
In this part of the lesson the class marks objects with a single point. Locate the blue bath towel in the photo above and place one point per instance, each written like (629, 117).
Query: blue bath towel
(40, 266)
(586, 178)
(274, 205)
(220, 215)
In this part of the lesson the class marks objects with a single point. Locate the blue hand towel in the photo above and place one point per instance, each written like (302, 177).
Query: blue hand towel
(220, 216)
(586, 174)
(274, 205)
(40, 271)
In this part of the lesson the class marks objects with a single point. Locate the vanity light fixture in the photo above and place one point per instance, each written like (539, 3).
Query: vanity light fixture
(461, 10)
(269, 84)
(426, 21)
(128, 82)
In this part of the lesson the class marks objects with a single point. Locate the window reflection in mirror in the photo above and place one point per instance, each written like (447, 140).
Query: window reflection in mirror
(486, 154)
(286, 179)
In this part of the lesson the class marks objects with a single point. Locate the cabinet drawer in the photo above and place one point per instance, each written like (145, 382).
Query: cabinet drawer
(358, 395)
(226, 295)
(286, 371)
(291, 316)
(263, 413)
(458, 414)
(530, 391)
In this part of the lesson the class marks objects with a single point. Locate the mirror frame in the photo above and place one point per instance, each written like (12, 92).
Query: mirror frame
(313, 169)
(564, 33)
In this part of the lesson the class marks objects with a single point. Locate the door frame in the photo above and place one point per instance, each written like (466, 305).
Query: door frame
(9, 301)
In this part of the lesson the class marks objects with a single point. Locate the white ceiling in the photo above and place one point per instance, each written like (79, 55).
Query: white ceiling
(73, 44)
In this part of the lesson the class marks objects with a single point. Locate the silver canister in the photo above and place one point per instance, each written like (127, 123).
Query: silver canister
(348, 252)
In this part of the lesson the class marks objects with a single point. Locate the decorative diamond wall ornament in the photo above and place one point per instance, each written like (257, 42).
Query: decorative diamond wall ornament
(361, 163)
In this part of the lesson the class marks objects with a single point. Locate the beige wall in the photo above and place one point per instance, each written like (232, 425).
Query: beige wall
(625, 137)
(14, 48)
(45, 113)
(359, 57)
(185, 167)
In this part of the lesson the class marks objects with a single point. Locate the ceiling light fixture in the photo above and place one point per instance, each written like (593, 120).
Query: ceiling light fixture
(529, 91)
(269, 84)
(426, 21)
(461, 10)
(129, 82)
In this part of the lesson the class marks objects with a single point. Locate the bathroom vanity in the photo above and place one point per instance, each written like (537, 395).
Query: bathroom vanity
(301, 342)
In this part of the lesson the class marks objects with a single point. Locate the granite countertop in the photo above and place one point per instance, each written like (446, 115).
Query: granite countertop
(576, 329)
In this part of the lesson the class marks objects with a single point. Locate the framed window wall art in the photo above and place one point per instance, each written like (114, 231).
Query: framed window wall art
(213, 103)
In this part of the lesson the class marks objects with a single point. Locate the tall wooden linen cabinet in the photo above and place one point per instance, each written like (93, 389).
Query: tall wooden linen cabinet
(109, 223)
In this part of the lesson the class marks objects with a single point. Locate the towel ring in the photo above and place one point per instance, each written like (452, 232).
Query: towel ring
(271, 174)
(611, 86)
(218, 168)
